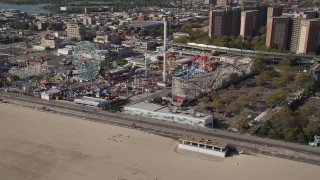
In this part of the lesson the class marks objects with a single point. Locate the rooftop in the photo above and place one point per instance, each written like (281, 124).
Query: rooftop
(162, 109)
(200, 140)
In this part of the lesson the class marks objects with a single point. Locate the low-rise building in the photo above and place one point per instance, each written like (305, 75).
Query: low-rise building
(113, 38)
(202, 145)
(50, 42)
(50, 94)
(90, 101)
(164, 113)
(75, 30)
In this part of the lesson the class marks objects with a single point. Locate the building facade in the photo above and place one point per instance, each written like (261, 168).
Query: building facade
(277, 32)
(223, 2)
(217, 21)
(308, 42)
(202, 145)
(249, 23)
(274, 11)
(224, 22)
(296, 25)
(87, 20)
(233, 21)
(75, 30)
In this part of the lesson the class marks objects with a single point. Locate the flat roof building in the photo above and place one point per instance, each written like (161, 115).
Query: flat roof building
(203, 145)
(164, 113)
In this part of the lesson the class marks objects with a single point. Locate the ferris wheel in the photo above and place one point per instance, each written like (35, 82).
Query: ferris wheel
(86, 60)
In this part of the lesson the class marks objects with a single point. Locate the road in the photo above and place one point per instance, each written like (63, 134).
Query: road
(247, 143)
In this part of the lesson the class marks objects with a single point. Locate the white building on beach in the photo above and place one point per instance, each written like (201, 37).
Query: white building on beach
(205, 146)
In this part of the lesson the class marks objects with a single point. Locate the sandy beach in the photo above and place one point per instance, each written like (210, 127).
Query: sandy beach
(39, 145)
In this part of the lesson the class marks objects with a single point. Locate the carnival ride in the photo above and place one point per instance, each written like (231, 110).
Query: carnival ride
(86, 60)
(200, 64)
(235, 65)
(205, 75)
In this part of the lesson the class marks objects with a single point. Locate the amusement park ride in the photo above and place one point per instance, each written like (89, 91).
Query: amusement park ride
(199, 64)
(86, 60)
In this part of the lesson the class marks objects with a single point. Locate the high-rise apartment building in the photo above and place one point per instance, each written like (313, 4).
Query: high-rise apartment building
(233, 23)
(249, 23)
(277, 32)
(308, 41)
(217, 23)
(224, 22)
(274, 11)
(263, 11)
(296, 25)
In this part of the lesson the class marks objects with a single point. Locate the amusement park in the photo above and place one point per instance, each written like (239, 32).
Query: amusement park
(92, 77)
(144, 82)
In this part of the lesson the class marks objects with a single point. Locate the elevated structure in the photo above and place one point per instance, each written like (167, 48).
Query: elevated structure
(87, 60)
(30, 71)
(165, 21)
(203, 82)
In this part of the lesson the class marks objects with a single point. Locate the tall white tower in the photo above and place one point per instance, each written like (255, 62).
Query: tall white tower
(165, 21)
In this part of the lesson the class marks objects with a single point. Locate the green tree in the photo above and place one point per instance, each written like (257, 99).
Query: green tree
(74, 39)
(299, 81)
(287, 60)
(276, 97)
(311, 129)
(3, 80)
(260, 79)
(301, 138)
(305, 110)
(205, 99)
(33, 27)
(264, 130)
(258, 65)
(121, 61)
(242, 122)
(290, 134)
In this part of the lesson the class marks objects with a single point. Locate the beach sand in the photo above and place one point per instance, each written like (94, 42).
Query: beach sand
(39, 145)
